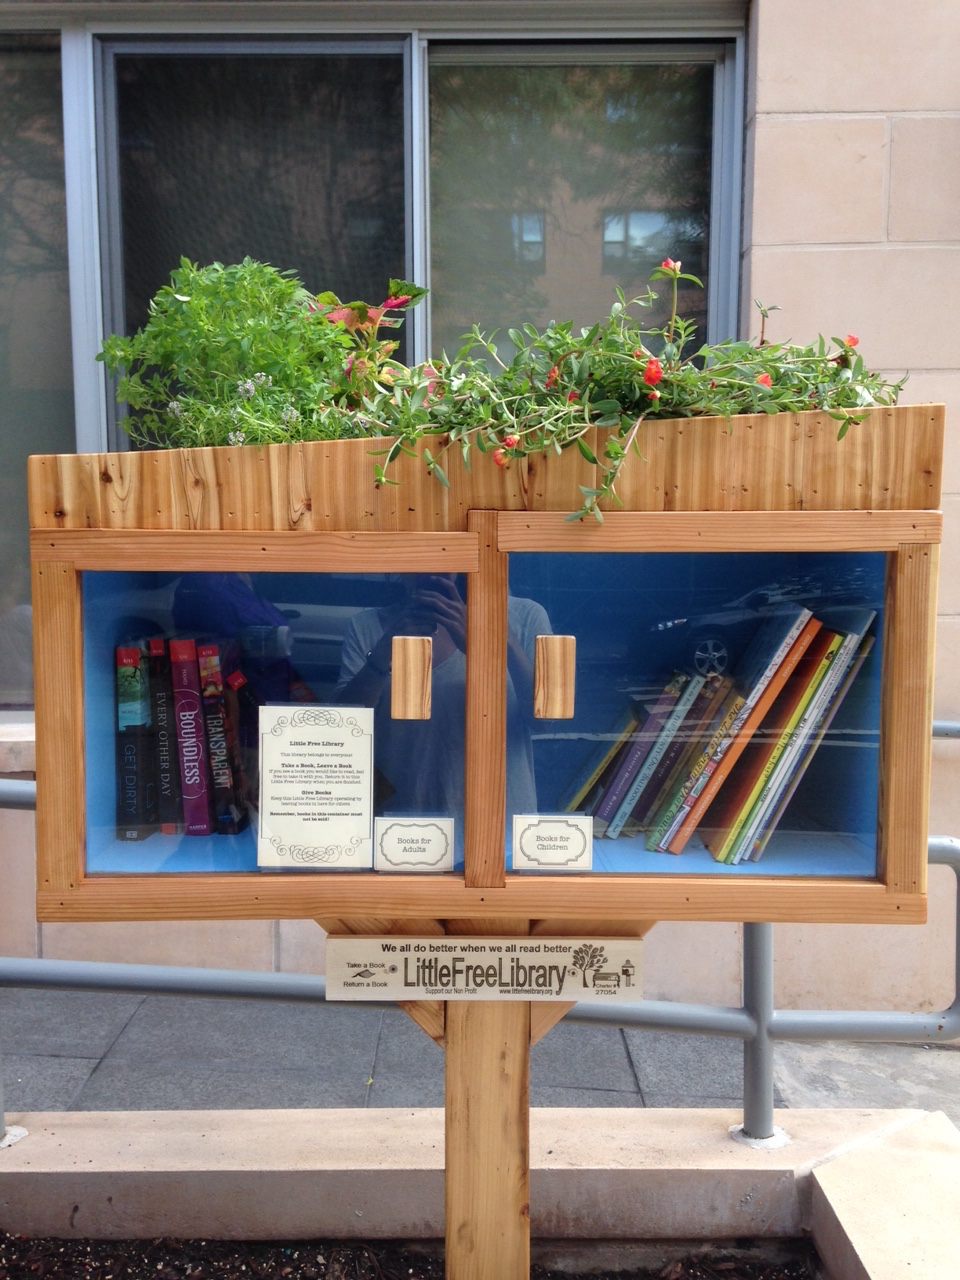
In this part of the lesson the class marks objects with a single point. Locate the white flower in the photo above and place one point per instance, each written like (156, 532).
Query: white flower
(175, 408)
(236, 437)
(263, 379)
(290, 415)
(246, 389)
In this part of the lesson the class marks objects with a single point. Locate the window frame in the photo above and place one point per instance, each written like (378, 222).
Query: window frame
(714, 33)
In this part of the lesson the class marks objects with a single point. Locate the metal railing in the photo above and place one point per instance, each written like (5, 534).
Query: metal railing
(757, 1023)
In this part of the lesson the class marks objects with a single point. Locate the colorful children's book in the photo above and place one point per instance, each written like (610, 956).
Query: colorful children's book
(791, 767)
(766, 651)
(671, 727)
(642, 741)
(594, 777)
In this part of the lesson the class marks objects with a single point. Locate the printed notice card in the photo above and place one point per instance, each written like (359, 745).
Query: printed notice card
(316, 787)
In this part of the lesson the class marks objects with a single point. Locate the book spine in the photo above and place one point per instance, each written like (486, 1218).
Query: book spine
(585, 790)
(677, 757)
(136, 814)
(761, 705)
(794, 764)
(656, 754)
(228, 811)
(705, 768)
(191, 738)
(663, 819)
(635, 753)
(169, 802)
(723, 849)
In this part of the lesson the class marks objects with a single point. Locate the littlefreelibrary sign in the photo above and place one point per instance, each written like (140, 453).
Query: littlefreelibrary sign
(447, 968)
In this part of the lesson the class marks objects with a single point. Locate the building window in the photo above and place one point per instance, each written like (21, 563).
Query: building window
(36, 388)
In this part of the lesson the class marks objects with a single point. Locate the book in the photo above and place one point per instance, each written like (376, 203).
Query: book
(751, 772)
(639, 746)
(785, 779)
(166, 766)
(191, 738)
(599, 766)
(697, 724)
(763, 656)
(136, 813)
(671, 727)
(229, 809)
(773, 685)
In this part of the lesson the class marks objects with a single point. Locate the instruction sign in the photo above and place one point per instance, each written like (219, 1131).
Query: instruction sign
(450, 968)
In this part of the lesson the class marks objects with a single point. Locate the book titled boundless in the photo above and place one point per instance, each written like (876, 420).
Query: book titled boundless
(191, 738)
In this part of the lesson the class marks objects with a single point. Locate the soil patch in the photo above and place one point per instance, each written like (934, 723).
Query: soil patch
(26, 1259)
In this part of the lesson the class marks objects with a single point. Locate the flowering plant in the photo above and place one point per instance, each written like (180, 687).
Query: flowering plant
(246, 355)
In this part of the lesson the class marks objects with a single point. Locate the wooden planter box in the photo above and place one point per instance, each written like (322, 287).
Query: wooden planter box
(775, 483)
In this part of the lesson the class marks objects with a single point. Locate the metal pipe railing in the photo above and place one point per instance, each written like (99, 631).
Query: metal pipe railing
(758, 1024)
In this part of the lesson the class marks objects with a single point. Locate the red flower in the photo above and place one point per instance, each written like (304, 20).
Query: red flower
(553, 378)
(573, 395)
(511, 442)
(653, 373)
(639, 353)
(654, 395)
(668, 264)
(499, 457)
(851, 340)
(764, 379)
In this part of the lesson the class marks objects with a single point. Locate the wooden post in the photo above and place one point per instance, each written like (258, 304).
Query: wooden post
(488, 1140)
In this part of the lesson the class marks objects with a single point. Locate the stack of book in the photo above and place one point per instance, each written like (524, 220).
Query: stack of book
(723, 755)
(180, 766)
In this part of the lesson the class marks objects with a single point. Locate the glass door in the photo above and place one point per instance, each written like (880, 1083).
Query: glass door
(726, 718)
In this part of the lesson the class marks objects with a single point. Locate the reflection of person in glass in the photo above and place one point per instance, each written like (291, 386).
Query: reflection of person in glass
(423, 761)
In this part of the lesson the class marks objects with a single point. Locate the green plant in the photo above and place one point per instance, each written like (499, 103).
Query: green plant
(246, 355)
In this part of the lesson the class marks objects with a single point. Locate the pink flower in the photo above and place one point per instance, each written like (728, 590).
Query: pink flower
(668, 264)
(499, 457)
(764, 380)
(553, 377)
(653, 373)
(851, 340)
(511, 442)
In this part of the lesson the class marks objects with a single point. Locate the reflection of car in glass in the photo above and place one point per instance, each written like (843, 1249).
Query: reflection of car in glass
(713, 640)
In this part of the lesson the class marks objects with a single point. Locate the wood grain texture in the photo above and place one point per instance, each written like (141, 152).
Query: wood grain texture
(411, 669)
(486, 712)
(907, 710)
(60, 758)
(706, 532)
(487, 1182)
(246, 551)
(781, 462)
(607, 897)
(554, 677)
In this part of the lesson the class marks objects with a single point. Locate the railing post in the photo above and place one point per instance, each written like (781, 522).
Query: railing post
(758, 1051)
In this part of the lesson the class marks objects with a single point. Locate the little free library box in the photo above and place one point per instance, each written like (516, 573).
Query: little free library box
(267, 688)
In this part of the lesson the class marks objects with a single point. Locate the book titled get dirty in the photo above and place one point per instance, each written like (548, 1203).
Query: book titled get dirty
(316, 787)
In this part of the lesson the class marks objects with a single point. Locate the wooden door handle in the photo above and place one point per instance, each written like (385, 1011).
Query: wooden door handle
(554, 677)
(411, 688)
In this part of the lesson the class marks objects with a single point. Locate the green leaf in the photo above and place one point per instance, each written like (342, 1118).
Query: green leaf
(586, 450)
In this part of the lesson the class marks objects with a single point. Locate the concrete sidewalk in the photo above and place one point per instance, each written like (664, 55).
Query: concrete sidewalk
(80, 1051)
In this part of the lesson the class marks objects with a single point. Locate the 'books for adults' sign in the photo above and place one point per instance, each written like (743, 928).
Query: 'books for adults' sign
(450, 968)
(316, 787)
